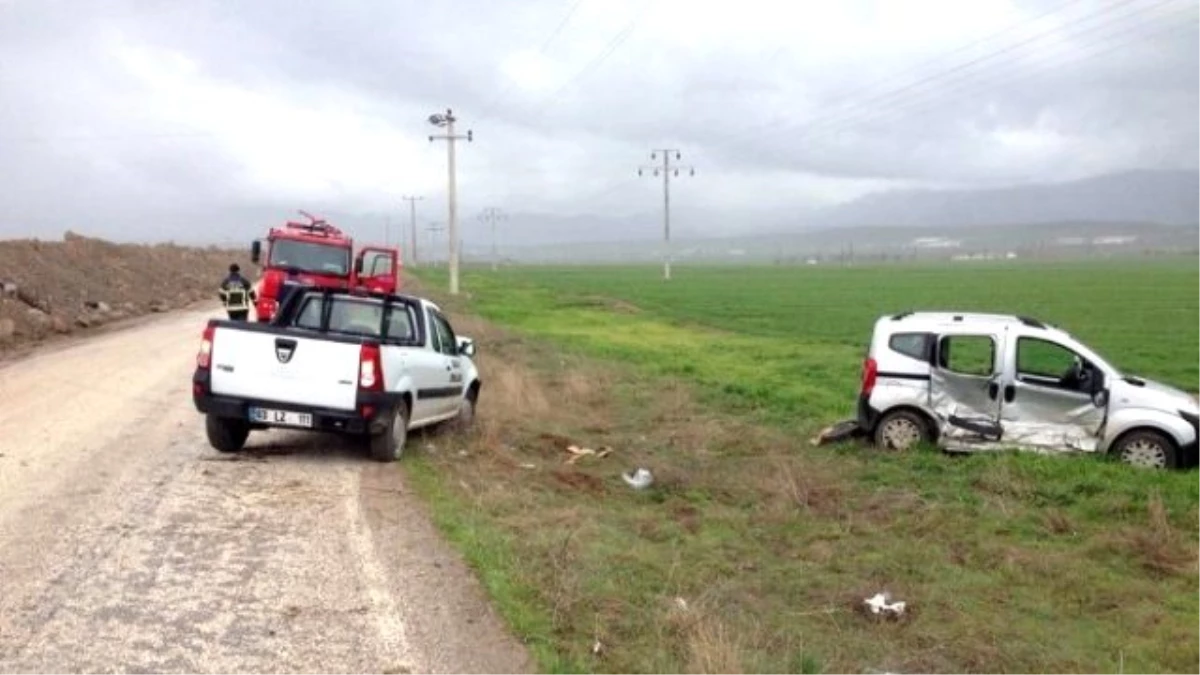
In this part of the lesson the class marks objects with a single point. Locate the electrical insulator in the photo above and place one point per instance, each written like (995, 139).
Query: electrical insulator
(656, 172)
(693, 172)
(677, 156)
(639, 172)
(677, 172)
(653, 155)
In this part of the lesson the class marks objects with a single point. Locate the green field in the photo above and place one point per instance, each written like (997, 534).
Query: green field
(715, 380)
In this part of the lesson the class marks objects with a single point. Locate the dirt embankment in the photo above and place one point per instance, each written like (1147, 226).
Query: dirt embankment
(59, 287)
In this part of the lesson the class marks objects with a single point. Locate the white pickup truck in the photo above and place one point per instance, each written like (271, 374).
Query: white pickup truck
(354, 362)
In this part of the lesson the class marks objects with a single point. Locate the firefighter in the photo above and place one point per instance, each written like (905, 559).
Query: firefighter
(237, 294)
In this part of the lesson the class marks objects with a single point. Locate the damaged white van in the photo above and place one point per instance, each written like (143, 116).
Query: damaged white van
(970, 382)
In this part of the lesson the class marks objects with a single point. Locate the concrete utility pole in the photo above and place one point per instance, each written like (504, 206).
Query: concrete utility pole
(447, 121)
(490, 215)
(666, 169)
(433, 229)
(412, 227)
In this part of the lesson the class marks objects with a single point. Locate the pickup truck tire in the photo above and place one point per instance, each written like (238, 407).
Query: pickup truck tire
(388, 446)
(226, 434)
(466, 413)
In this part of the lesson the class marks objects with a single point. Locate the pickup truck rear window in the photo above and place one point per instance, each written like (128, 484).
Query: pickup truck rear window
(356, 316)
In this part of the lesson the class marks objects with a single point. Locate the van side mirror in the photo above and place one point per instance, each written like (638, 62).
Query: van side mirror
(1099, 389)
(255, 251)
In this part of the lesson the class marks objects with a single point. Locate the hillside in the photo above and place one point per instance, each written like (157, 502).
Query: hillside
(79, 283)
(1167, 197)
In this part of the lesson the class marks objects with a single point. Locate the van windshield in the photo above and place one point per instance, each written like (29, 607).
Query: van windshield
(310, 257)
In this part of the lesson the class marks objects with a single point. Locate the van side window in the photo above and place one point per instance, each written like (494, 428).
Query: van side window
(968, 355)
(1050, 364)
(915, 345)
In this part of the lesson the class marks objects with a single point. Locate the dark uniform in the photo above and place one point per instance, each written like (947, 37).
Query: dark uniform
(237, 294)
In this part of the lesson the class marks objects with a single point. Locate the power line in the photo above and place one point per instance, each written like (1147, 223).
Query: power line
(487, 111)
(666, 170)
(875, 100)
(834, 124)
(603, 55)
(412, 226)
(490, 215)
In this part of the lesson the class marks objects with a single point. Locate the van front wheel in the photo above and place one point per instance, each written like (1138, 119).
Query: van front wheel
(1146, 449)
(901, 430)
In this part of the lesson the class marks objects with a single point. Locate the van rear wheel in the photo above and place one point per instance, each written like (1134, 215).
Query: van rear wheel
(901, 430)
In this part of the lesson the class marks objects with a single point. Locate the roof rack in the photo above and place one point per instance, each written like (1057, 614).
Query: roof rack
(902, 315)
(1031, 322)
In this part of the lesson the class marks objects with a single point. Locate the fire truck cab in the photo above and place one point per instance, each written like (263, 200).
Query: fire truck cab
(317, 254)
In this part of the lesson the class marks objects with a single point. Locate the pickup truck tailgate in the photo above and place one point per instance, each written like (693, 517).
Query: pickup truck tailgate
(286, 368)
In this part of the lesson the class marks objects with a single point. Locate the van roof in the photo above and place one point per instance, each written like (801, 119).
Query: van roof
(960, 318)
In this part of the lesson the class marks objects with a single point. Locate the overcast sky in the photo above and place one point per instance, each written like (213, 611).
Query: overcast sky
(119, 117)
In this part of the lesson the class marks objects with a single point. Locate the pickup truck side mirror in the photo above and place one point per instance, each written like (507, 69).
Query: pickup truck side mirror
(466, 346)
(255, 251)
(358, 266)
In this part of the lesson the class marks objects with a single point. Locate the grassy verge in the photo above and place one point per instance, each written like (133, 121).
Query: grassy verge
(754, 550)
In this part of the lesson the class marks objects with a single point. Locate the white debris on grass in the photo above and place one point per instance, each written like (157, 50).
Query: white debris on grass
(881, 603)
(638, 480)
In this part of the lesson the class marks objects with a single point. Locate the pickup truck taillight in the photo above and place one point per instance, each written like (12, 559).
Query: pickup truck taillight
(204, 356)
(370, 368)
(870, 372)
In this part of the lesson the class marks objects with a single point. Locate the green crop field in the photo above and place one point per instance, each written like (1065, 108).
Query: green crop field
(1010, 562)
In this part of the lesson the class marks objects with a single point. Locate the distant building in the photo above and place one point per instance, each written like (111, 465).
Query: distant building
(935, 242)
(1116, 240)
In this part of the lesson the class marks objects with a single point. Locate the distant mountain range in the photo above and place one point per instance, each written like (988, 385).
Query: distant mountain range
(1129, 211)
(1164, 197)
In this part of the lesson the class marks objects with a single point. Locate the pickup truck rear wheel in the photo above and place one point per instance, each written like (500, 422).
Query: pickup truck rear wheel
(388, 446)
(226, 434)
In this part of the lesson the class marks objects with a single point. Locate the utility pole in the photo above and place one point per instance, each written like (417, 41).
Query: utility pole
(666, 169)
(387, 226)
(490, 215)
(433, 229)
(447, 121)
(412, 227)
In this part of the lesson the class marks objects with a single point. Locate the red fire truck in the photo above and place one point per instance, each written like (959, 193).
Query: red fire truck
(317, 254)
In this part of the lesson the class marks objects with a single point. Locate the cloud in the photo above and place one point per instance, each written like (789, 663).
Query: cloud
(134, 116)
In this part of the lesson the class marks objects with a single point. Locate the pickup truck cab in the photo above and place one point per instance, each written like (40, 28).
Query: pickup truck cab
(374, 365)
(971, 382)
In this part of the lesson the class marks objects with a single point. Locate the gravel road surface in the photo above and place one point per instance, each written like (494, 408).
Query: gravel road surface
(128, 545)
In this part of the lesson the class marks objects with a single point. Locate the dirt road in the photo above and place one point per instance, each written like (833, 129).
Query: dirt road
(128, 545)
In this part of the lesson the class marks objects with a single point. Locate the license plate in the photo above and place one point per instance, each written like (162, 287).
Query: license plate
(281, 417)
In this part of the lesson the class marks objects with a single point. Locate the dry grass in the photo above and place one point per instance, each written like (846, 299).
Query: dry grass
(1159, 546)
